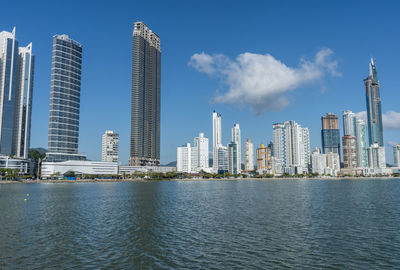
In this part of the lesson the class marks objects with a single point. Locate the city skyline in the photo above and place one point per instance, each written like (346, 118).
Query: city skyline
(307, 103)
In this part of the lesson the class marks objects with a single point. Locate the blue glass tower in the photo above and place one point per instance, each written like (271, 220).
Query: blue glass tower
(374, 110)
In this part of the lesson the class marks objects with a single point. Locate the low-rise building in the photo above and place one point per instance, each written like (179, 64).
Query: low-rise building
(79, 167)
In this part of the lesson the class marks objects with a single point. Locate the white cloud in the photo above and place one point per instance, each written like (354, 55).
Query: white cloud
(261, 81)
(362, 115)
(390, 119)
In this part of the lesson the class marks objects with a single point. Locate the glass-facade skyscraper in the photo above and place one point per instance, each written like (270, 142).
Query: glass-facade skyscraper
(330, 134)
(145, 103)
(16, 89)
(374, 110)
(65, 96)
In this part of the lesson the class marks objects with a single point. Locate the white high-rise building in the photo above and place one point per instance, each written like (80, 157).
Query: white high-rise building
(376, 156)
(16, 89)
(361, 141)
(279, 142)
(248, 155)
(396, 155)
(223, 159)
(217, 138)
(333, 162)
(318, 161)
(305, 154)
(184, 158)
(348, 123)
(109, 149)
(200, 153)
(292, 146)
(236, 138)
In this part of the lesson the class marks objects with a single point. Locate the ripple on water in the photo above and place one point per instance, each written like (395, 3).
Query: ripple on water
(203, 225)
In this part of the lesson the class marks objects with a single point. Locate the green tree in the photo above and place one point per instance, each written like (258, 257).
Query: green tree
(69, 174)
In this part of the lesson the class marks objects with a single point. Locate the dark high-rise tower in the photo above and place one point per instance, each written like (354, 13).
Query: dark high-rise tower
(65, 96)
(374, 110)
(330, 134)
(145, 110)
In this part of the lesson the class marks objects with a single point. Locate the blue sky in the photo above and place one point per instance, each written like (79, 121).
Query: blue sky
(291, 32)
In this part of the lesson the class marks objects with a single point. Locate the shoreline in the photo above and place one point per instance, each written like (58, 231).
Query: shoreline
(37, 181)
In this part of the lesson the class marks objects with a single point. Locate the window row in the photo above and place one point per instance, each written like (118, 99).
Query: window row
(65, 97)
(67, 67)
(66, 79)
(66, 61)
(63, 108)
(70, 56)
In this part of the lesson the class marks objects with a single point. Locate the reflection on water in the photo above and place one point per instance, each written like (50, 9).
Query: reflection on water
(206, 224)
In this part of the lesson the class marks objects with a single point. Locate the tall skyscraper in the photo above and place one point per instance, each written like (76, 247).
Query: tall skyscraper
(236, 138)
(248, 155)
(396, 155)
(330, 134)
(16, 89)
(65, 95)
(217, 138)
(145, 103)
(109, 146)
(374, 110)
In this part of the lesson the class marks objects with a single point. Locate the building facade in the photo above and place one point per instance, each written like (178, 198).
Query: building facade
(65, 96)
(330, 134)
(279, 142)
(217, 138)
(200, 153)
(233, 156)
(79, 167)
(16, 89)
(348, 123)
(110, 146)
(236, 138)
(376, 156)
(145, 103)
(318, 161)
(248, 155)
(184, 158)
(291, 145)
(264, 155)
(374, 109)
(223, 159)
(361, 141)
(396, 155)
(349, 152)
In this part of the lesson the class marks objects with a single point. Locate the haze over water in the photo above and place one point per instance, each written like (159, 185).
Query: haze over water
(201, 224)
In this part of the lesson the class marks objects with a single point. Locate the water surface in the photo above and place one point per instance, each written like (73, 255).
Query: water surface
(309, 224)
